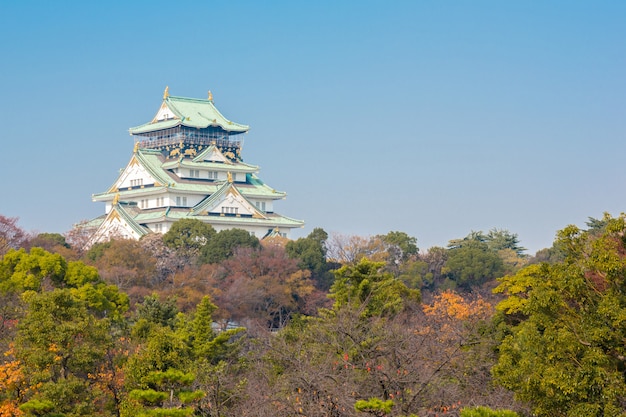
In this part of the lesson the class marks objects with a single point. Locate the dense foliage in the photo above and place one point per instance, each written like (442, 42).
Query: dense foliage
(201, 323)
(565, 353)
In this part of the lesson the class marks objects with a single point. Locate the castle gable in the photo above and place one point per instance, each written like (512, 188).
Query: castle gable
(227, 201)
(212, 154)
(135, 175)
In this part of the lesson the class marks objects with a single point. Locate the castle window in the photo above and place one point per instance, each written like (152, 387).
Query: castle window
(212, 175)
(194, 173)
(181, 201)
(230, 210)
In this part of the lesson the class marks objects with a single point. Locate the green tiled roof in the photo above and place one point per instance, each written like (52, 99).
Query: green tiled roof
(191, 112)
(129, 218)
(209, 202)
(173, 214)
(271, 219)
(150, 159)
(238, 167)
(247, 190)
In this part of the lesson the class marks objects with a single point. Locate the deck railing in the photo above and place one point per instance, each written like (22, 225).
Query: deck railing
(175, 140)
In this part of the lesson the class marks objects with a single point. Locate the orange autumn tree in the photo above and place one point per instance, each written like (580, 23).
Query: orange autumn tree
(11, 386)
(451, 306)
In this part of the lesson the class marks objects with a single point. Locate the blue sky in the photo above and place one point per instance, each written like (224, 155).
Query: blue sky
(434, 118)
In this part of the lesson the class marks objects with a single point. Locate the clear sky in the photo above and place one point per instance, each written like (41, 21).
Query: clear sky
(435, 118)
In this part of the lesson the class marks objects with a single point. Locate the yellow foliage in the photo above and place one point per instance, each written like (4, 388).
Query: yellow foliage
(451, 305)
(10, 409)
(10, 375)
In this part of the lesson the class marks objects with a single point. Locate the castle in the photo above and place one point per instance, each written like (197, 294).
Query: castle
(187, 164)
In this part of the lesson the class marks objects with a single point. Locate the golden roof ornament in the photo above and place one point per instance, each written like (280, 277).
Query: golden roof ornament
(136, 148)
(230, 177)
(116, 199)
(166, 93)
(210, 96)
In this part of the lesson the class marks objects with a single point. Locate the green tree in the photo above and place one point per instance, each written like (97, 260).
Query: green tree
(374, 406)
(472, 263)
(548, 255)
(487, 412)
(21, 270)
(597, 226)
(435, 259)
(168, 393)
(565, 350)
(153, 310)
(180, 367)
(37, 270)
(400, 246)
(365, 284)
(52, 242)
(501, 239)
(223, 244)
(311, 254)
(66, 318)
(60, 345)
(188, 236)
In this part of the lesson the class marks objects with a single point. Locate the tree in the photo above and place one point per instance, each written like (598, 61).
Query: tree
(178, 368)
(400, 246)
(501, 239)
(39, 271)
(597, 226)
(472, 263)
(487, 412)
(124, 263)
(417, 362)
(60, 344)
(435, 259)
(345, 249)
(365, 284)
(167, 393)
(52, 242)
(263, 286)
(188, 236)
(564, 353)
(223, 244)
(166, 260)
(311, 254)
(11, 235)
(155, 311)
(80, 237)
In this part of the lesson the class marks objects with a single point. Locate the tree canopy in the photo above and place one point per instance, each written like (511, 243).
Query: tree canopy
(565, 351)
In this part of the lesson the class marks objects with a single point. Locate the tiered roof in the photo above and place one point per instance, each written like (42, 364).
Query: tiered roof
(155, 163)
(158, 163)
(189, 112)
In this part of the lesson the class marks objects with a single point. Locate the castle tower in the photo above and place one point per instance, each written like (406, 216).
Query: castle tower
(187, 163)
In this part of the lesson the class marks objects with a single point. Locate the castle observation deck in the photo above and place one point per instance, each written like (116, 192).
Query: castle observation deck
(189, 122)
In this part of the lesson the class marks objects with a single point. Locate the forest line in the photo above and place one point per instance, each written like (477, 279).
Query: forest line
(206, 323)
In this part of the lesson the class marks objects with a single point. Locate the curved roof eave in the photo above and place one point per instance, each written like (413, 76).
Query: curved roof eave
(190, 112)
